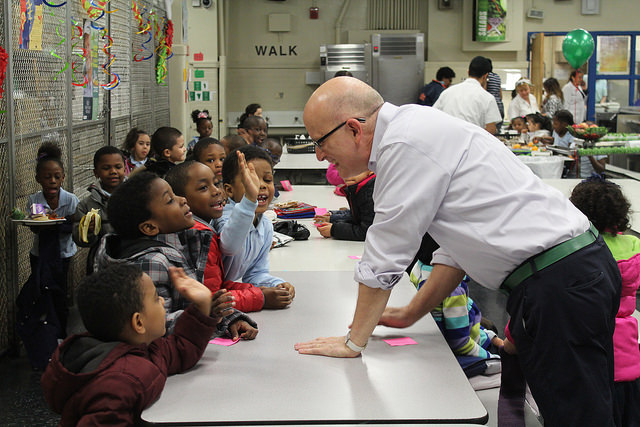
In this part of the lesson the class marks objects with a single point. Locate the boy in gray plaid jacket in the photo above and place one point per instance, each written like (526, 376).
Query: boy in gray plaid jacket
(152, 230)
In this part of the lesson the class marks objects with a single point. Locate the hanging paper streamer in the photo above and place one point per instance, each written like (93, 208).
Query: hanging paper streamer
(53, 51)
(161, 65)
(95, 9)
(143, 58)
(101, 7)
(169, 34)
(3, 68)
(153, 19)
(106, 67)
(138, 12)
(163, 52)
(53, 5)
(77, 33)
(143, 28)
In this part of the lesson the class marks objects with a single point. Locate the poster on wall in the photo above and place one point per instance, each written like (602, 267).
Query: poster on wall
(91, 92)
(489, 20)
(31, 24)
(613, 54)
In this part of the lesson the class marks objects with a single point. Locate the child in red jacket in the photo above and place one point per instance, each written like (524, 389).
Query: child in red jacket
(195, 182)
(110, 375)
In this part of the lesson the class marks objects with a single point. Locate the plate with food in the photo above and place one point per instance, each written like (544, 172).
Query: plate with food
(36, 222)
(589, 132)
(36, 218)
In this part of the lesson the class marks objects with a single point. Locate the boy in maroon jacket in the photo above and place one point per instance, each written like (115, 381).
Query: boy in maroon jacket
(108, 376)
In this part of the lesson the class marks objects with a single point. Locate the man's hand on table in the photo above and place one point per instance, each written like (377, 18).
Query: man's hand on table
(332, 347)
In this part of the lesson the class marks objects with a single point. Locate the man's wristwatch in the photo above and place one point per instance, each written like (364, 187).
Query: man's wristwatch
(353, 346)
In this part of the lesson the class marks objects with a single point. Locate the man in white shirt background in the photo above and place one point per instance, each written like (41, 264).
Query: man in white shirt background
(441, 175)
(470, 100)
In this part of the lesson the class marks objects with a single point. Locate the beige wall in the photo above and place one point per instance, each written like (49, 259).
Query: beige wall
(202, 36)
(278, 82)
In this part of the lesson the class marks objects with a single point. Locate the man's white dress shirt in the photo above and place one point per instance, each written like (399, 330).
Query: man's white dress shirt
(485, 208)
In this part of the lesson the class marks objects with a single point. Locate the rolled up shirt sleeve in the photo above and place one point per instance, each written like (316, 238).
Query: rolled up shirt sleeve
(440, 256)
(409, 189)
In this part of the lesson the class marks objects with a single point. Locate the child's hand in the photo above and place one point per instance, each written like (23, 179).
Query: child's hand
(396, 317)
(191, 289)
(249, 178)
(356, 179)
(242, 329)
(289, 287)
(322, 218)
(325, 230)
(498, 342)
(276, 297)
(222, 304)
(510, 347)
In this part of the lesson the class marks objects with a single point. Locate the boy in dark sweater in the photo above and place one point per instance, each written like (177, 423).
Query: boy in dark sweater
(153, 230)
(168, 148)
(109, 375)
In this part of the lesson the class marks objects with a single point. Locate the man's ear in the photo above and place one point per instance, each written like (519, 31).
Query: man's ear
(166, 153)
(95, 173)
(149, 228)
(355, 128)
(137, 323)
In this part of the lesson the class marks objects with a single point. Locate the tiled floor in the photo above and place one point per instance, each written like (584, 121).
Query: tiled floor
(21, 400)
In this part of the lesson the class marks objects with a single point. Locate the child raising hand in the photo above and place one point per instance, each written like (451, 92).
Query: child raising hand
(108, 376)
(245, 234)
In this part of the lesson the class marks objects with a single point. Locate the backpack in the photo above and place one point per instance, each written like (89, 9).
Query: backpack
(293, 229)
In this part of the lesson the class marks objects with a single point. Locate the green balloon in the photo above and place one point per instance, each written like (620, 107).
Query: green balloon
(577, 47)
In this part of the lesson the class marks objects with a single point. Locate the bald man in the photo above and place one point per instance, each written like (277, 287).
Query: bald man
(442, 175)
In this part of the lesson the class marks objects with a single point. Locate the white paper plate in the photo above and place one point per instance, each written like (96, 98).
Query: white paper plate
(34, 222)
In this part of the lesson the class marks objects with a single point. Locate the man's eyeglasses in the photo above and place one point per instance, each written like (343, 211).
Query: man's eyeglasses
(320, 140)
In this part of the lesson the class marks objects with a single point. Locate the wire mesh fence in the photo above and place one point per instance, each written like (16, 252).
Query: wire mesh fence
(54, 92)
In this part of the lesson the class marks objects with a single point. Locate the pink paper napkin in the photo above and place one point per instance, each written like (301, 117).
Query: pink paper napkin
(355, 256)
(400, 341)
(223, 341)
(321, 211)
(286, 185)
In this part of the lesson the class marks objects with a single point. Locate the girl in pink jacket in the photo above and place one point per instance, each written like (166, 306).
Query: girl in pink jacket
(606, 207)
